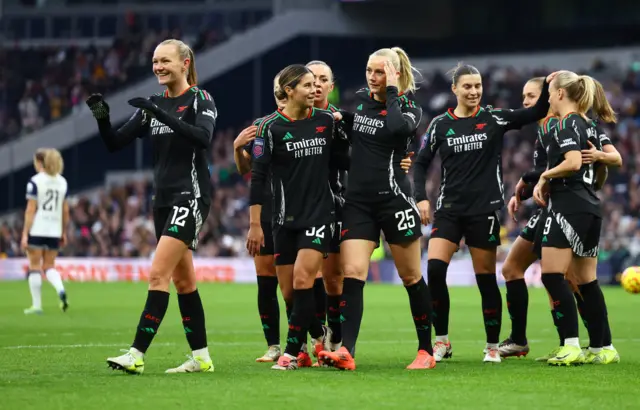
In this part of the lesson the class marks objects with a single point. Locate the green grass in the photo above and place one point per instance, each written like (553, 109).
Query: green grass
(57, 361)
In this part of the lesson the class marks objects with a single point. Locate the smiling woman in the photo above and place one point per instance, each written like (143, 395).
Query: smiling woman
(180, 123)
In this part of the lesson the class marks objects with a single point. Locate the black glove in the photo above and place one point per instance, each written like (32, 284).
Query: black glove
(144, 104)
(98, 106)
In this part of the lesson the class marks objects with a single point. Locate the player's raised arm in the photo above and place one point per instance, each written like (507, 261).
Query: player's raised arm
(115, 140)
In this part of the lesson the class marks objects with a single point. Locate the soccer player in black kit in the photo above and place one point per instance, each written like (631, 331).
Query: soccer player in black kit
(379, 197)
(180, 124)
(268, 306)
(469, 139)
(571, 231)
(521, 254)
(294, 146)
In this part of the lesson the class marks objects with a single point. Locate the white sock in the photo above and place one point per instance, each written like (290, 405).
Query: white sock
(35, 285)
(202, 353)
(136, 353)
(610, 347)
(572, 341)
(303, 348)
(595, 350)
(493, 346)
(443, 339)
(55, 280)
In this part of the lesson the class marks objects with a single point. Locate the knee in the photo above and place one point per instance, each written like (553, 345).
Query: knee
(355, 270)
(437, 272)
(333, 284)
(184, 285)
(287, 293)
(410, 275)
(46, 267)
(158, 279)
(510, 272)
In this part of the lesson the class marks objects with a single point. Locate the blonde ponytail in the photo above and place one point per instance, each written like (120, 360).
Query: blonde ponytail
(407, 78)
(601, 106)
(585, 95)
(185, 52)
(400, 60)
(53, 163)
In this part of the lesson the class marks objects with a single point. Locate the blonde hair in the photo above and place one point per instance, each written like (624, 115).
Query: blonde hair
(320, 62)
(185, 52)
(539, 81)
(51, 160)
(587, 92)
(401, 62)
(276, 86)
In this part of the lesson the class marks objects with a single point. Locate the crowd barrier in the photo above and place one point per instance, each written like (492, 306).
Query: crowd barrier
(227, 270)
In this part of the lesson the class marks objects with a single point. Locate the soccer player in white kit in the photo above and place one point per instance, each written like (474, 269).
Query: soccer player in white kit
(45, 222)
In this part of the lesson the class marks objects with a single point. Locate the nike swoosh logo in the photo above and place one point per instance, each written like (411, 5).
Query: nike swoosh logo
(563, 357)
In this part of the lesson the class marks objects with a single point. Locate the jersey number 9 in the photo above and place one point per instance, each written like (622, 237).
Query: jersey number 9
(50, 200)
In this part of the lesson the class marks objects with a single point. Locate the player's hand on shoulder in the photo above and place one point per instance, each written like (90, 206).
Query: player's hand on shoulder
(246, 136)
(98, 106)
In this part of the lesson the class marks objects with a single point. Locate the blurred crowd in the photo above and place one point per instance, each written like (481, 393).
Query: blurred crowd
(116, 222)
(44, 84)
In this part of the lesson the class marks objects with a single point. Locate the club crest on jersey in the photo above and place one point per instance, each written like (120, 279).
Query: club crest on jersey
(182, 108)
(258, 147)
(383, 113)
(481, 126)
(320, 130)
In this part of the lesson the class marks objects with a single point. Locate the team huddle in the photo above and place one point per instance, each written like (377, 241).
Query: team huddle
(326, 182)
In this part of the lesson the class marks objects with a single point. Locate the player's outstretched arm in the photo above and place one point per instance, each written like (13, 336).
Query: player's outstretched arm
(115, 140)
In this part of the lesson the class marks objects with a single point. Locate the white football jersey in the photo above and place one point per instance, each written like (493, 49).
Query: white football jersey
(50, 193)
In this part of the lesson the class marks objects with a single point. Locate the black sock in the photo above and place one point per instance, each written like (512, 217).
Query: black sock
(288, 309)
(301, 315)
(315, 328)
(269, 309)
(334, 317)
(437, 277)
(154, 310)
(491, 305)
(421, 310)
(607, 340)
(580, 304)
(518, 304)
(193, 319)
(555, 323)
(594, 311)
(353, 298)
(320, 296)
(565, 307)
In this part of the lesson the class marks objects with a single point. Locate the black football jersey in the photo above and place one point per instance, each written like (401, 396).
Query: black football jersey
(298, 154)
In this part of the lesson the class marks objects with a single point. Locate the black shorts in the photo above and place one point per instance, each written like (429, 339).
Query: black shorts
(479, 231)
(579, 232)
(398, 217)
(44, 243)
(337, 234)
(528, 233)
(287, 242)
(267, 249)
(182, 221)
